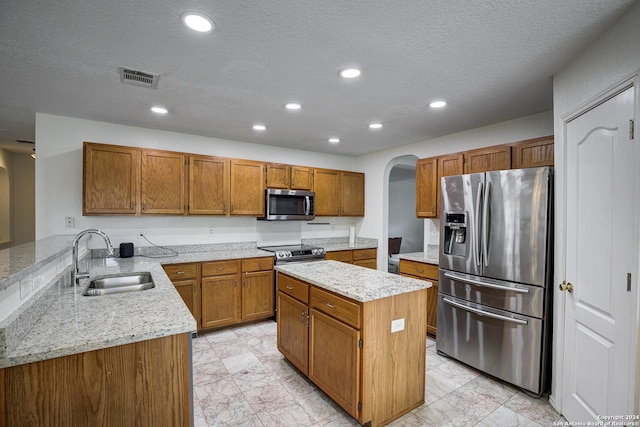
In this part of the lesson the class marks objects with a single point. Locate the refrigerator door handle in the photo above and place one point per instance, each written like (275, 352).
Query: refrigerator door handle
(476, 238)
(485, 224)
(486, 285)
(485, 313)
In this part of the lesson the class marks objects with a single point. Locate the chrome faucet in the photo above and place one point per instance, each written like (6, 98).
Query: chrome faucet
(76, 275)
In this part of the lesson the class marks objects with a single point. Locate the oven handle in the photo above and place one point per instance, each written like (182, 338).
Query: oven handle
(486, 285)
(485, 313)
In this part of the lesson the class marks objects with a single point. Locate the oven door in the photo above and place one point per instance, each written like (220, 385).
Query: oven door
(503, 344)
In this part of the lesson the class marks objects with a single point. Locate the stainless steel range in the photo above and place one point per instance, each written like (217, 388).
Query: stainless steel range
(287, 254)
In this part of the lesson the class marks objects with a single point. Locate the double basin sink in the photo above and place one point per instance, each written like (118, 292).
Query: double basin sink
(121, 283)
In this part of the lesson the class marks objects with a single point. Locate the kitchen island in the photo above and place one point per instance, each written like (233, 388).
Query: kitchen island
(359, 334)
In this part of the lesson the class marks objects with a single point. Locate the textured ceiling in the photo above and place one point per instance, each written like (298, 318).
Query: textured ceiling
(492, 60)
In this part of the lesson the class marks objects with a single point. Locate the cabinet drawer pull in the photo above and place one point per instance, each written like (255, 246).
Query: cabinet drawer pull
(179, 272)
(419, 270)
(289, 287)
(330, 305)
(219, 268)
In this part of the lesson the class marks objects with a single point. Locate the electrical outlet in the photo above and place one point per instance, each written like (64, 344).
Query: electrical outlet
(69, 222)
(211, 231)
(397, 325)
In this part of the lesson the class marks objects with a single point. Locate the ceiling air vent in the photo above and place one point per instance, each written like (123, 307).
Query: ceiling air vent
(137, 77)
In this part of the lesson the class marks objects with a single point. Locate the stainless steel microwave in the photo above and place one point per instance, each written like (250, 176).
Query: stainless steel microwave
(287, 205)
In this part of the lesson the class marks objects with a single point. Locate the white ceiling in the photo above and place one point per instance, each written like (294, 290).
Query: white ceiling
(492, 60)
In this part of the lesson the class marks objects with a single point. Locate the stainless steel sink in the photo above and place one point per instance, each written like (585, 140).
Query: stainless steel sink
(107, 285)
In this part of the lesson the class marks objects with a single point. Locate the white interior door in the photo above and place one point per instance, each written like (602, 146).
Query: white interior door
(601, 250)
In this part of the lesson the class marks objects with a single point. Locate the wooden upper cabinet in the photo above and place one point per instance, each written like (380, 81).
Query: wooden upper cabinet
(452, 164)
(289, 177)
(326, 184)
(487, 159)
(301, 178)
(110, 179)
(533, 153)
(163, 182)
(338, 193)
(247, 187)
(352, 194)
(278, 175)
(208, 185)
(427, 188)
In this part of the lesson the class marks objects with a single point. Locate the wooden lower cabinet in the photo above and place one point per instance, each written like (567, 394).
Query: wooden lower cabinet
(362, 257)
(257, 295)
(144, 384)
(335, 368)
(220, 301)
(347, 348)
(425, 271)
(225, 292)
(293, 331)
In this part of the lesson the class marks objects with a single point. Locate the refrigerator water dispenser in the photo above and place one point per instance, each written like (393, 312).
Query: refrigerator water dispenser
(455, 234)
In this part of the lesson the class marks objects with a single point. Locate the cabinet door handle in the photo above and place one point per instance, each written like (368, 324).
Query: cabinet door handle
(330, 305)
(289, 287)
(302, 317)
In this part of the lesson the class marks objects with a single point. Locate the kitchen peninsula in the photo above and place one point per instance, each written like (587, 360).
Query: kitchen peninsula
(357, 333)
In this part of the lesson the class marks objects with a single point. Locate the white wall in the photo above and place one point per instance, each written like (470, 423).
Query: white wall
(24, 199)
(612, 58)
(402, 216)
(6, 166)
(59, 184)
(377, 166)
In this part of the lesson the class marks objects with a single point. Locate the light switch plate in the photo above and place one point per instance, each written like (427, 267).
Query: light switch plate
(397, 325)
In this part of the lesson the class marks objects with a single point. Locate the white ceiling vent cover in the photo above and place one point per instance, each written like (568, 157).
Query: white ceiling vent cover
(138, 77)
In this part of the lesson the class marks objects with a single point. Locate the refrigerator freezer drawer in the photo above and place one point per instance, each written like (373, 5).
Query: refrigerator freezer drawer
(515, 297)
(497, 342)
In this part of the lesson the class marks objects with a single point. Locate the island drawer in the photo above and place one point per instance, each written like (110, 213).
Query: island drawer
(257, 264)
(364, 254)
(294, 287)
(181, 271)
(342, 256)
(419, 269)
(340, 308)
(218, 268)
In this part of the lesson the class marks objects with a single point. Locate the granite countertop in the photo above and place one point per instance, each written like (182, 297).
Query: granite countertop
(345, 246)
(75, 323)
(425, 257)
(352, 281)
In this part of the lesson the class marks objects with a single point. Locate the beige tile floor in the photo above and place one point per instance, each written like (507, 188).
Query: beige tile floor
(240, 379)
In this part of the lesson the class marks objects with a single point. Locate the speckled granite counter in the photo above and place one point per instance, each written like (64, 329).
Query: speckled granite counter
(420, 257)
(342, 243)
(352, 281)
(19, 261)
(75, 323)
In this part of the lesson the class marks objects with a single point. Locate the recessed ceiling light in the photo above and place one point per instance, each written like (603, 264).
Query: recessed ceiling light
(292, 106)
(159, 110)
(197, 22)
(259, 127)
(438, 104)
(349, 73)
(334, 140)
(375, 125)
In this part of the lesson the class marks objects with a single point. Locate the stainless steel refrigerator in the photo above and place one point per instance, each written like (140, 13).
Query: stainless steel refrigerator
(494, 294)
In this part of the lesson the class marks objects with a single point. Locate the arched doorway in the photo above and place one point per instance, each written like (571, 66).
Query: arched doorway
(401, 208)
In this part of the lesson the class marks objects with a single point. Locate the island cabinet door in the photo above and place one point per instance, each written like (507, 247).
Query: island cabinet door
(293, 332)
(334, 360)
